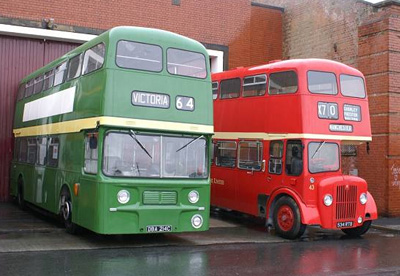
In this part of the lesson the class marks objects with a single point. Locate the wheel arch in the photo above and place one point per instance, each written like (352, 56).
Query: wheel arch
(308, 214)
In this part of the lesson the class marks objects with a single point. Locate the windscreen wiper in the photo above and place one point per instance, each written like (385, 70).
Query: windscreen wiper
(133, 135)
(319, 147)
(191, 142)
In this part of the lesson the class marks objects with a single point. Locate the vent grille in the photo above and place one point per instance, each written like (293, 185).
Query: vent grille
(346, 202)
(159, 198)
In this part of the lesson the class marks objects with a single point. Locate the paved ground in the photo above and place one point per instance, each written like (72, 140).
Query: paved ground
(22, 231)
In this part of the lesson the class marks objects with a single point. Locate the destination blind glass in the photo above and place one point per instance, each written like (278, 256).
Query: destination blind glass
(157, 100)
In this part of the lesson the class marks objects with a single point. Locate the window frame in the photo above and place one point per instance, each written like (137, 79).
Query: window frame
(35, 82)
(280, 72)
(323, 72)
(254, 84)
(137, 69)
(259, 150)
(220, 88)
(217, 90)
(293, 142)
(51, 84)
(184, 50)
(282, 145)
(341, 90)
(64, 73)
(217, 156)
(21, 91)
(49, 144)
(83, 73)
(86, 141)
(67, 77)
(338, 155)
(29, 84)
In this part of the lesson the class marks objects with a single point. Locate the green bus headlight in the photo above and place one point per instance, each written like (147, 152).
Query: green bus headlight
(193, 196)
(123, 196)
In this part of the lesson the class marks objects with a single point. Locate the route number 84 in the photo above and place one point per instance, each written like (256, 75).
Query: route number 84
(184, 103)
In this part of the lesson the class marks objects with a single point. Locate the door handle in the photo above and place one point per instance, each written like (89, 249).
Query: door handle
(269, 178)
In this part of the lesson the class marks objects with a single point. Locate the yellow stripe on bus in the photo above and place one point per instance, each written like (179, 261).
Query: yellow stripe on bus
(89, 123)
(279, 136)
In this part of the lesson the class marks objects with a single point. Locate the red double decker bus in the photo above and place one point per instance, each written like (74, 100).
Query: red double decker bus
(279, 129)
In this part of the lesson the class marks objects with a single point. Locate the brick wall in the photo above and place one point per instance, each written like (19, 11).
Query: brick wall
(252, 33)
(322, 29)
(379, 56)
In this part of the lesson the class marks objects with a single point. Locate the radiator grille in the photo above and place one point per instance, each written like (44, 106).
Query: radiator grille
(159, 198)
(346, 202)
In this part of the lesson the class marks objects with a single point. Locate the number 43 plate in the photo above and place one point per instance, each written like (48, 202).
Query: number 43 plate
(159, 228)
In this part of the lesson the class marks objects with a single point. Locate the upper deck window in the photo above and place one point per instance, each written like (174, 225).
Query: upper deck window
(352, 86)
(140, 56)
(74, 67)
(254, 85)
(230, 88)
(93, 59)
(60, 73)
(283, 83)
(29, 88)
(186, 63)
(215, 90)
(38, 84)
(48, 80)
(322, 82)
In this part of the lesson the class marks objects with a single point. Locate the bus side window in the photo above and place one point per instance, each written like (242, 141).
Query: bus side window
(53, 152)
(59, 75)
(93, 58)
(275, 157)
(230, 88)
(283, 83)
(91, 154)
(215, 90)
(254, 85)
(250, 155)
(23, 151)
(74, 67)
(42, 150)
(225, 154)
(32, 150)
(294, 158)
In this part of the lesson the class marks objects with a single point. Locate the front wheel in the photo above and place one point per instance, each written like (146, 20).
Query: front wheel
(287, 219)
(66, 212)
(20, 195)
(358, 231)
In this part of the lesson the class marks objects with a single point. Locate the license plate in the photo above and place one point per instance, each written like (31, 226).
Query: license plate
(159, 228)
(344, 224)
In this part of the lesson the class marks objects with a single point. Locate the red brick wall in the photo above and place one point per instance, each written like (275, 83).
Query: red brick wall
(379, 56)
(253, 34)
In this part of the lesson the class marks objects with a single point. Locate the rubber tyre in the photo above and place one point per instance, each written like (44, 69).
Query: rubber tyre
(358, 231)
(287, 219)
(66, 202)
(20, 195)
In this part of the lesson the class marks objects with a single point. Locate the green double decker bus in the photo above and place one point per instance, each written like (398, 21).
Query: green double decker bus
(115, 135)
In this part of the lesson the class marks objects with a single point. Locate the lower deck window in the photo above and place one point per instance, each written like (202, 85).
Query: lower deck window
(225, 154)
(250, 155)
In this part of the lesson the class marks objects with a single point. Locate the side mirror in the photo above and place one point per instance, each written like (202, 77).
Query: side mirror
(93, 142)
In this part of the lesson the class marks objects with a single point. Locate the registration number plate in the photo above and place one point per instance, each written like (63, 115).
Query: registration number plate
(344, 224)
(159, 228)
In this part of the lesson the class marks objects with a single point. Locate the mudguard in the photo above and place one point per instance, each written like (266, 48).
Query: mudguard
(309, 214)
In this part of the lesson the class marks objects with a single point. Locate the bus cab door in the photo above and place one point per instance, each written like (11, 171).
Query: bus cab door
(285, 173)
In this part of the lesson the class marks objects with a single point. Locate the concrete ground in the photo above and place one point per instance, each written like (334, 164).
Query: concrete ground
(22, 231)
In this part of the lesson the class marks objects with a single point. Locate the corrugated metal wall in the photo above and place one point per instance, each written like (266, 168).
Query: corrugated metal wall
(18, 58)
